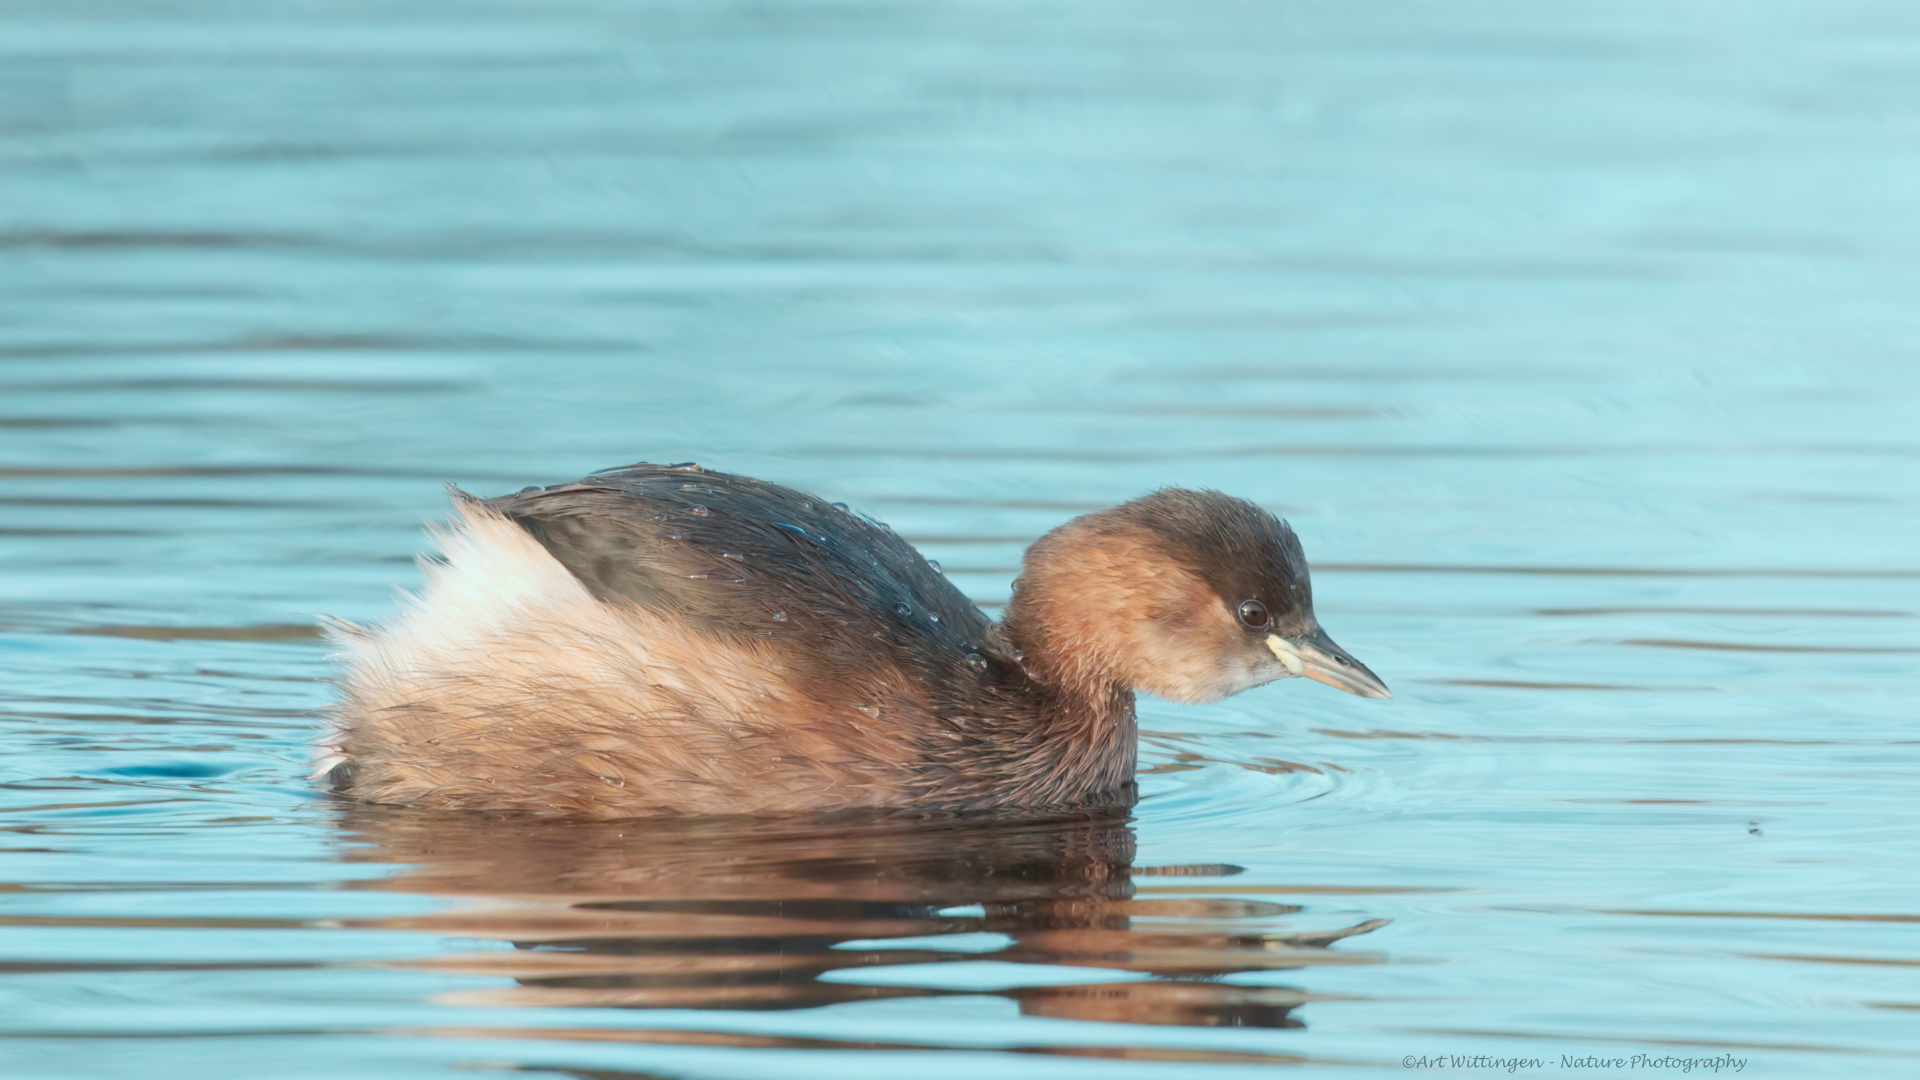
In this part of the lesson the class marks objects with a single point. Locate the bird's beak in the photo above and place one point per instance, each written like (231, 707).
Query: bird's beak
(1314, 655)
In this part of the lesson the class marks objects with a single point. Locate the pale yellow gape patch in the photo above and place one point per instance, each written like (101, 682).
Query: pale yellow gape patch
(1284, 649)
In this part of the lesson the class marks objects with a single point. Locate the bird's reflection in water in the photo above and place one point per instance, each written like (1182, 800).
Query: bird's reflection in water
(746, 914)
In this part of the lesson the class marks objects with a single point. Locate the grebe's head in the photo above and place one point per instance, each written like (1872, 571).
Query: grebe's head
(1185, 595)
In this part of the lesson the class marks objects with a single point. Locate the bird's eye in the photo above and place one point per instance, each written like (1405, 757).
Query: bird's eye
(1253, 615)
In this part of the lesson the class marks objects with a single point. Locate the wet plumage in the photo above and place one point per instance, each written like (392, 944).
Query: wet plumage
(664, 639)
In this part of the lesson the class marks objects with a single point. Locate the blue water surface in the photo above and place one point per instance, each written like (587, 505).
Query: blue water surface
(1577, 340)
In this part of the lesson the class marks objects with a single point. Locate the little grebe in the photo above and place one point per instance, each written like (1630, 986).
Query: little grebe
(662, 639)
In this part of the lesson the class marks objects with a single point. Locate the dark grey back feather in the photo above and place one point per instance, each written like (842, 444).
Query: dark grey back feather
(739, 557)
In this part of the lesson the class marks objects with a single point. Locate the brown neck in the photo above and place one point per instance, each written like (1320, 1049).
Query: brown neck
(1084, 747)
